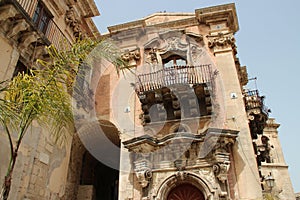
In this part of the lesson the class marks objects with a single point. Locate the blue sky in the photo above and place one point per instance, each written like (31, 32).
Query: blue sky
(268, 44)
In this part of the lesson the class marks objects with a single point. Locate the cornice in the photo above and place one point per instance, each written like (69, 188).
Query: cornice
(271, 123)
(89, 8)
(216, 14)
(127, 26)
(188, 20)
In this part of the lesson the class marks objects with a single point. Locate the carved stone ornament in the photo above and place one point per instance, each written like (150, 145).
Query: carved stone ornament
(144, 176)
(73, 21)
(221, 171)
(150, 55)
(181, 175)
(132, 57)
(221, 156)
(143, 172)
(221, 40)
(174, 43)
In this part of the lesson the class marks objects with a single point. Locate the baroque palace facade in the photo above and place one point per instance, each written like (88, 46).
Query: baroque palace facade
(179, 125)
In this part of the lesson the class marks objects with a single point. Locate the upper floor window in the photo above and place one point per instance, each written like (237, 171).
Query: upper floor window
(41, 17)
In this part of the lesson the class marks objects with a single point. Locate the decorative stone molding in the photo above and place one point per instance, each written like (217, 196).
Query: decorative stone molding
(166, 185)
(131, 57)
(208, 175)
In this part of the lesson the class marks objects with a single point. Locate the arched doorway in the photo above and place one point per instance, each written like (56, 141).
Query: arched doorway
(185, 191)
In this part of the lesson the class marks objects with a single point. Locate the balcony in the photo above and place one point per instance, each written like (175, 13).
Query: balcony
(173, 93)
(22, 15)
(176, 75)
(255, 103)
(258, 113)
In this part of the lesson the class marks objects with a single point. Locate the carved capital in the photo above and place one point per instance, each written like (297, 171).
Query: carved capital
(222, 40)
(131, 57)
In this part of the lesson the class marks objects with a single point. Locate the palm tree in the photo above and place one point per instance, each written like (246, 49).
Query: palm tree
(43, 95)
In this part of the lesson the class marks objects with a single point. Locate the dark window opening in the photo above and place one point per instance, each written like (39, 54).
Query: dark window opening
(103, 178)
(41, 17)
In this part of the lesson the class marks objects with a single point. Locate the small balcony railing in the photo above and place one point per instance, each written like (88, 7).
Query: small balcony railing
(172, 76)
(52, 35)
(254, 101)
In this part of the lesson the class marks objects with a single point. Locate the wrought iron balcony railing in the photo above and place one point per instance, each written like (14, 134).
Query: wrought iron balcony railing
(174, 75)
(52, 34)
(254, 101)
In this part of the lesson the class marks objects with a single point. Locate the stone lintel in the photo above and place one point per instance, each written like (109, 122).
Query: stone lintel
(219, 14)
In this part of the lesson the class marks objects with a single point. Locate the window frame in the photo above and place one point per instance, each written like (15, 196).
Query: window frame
(42, 17)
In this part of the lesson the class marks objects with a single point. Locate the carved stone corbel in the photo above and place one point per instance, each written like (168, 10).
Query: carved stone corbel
(17, 27)
(144, 176)
(40, 51)
(27, 39)
(221, 170)
(221, 156)
(131, 57)
(7, 11)
(143, 172)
